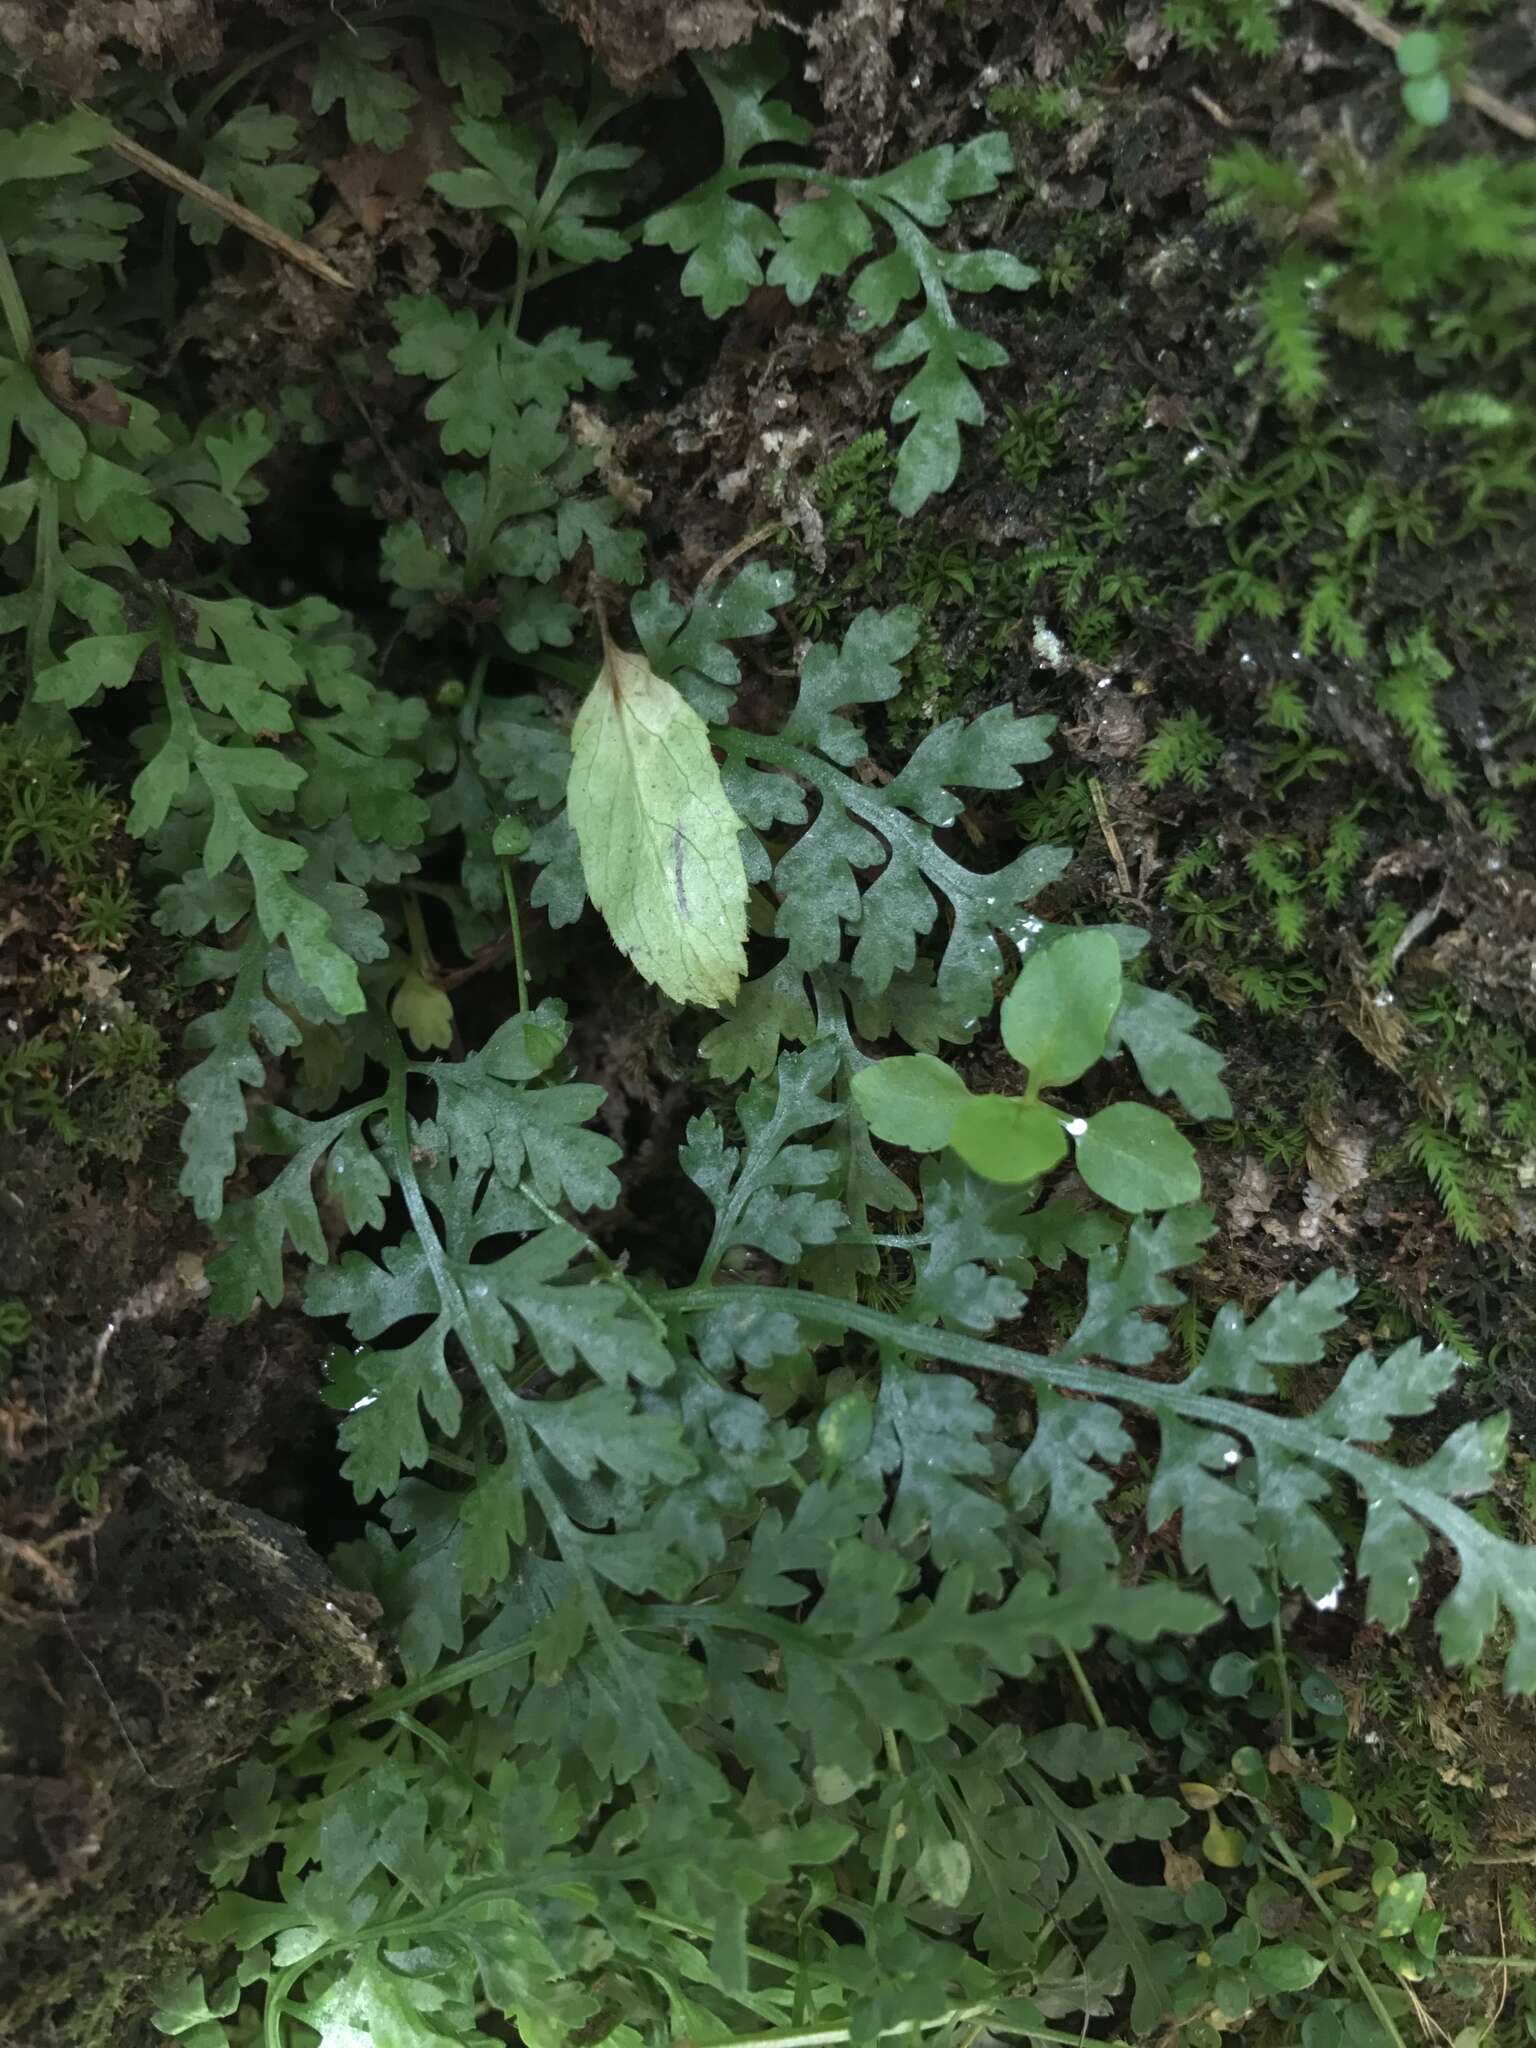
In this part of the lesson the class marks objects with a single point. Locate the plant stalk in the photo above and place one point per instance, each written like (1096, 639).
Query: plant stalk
(1091, 1701)
(14, 307)
(519, 966)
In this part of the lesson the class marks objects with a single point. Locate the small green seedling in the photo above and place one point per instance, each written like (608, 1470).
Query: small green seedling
(1426, 89)
(1056, 1023)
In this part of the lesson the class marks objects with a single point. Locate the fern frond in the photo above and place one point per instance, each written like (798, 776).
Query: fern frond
(1448, 1170)
(1452, 1332)
(1277, 994)
(1238, 1526)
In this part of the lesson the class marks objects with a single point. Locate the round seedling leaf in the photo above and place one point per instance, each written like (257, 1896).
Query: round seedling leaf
(1287, 1967)
(1004, 1139)
(1203, 1904)
(1321, 1694)
(911, 1101)
(1166, 1716)
(1232, 1675)
(1056, 1017)
(1137, 1158)
(1428, 100)
(1418, 54)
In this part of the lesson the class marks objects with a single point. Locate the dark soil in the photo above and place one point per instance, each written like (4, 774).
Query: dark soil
(152, 1624)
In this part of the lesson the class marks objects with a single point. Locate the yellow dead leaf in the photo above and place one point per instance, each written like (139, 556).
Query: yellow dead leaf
(1199, 1798)
(660, 845)
(1223, 1846)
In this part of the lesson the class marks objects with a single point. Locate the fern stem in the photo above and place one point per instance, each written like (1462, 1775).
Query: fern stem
(45, 582)
(416, 932)
(832, 2037)
(469, 711)
(1291, 1434)
(277, 2002)
(612, 1270)
(519, 965)
(430, 1739)
(1091, 1701)
(14, 307)
(1283, 1672)
(894, 1827)
(18, 322)
(694, 1932)
(384, 1706)
(519, 287)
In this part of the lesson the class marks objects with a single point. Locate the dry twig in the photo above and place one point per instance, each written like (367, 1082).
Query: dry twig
(228, 209)
(742, 547)
(1111, 839)
(1515, 119)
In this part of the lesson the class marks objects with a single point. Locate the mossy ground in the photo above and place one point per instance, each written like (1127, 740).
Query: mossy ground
(1288, 644)
(1289, 648)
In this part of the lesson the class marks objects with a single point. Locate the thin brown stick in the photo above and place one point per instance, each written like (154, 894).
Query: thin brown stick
(1111, 838)
(1515, 119)
(734, 553)
(1214, 108)
(228, 209)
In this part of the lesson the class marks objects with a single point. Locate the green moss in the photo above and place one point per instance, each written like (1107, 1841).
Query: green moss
(85, 1063)
(1358, 532)
(1069, 95)
(1278, 1140)
(1057, 810)
(48, 808)
(1185, 749)
(1033, 438)
(15, 1327)
(1204, 25)
(1402, 1781)
(1422, 276)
